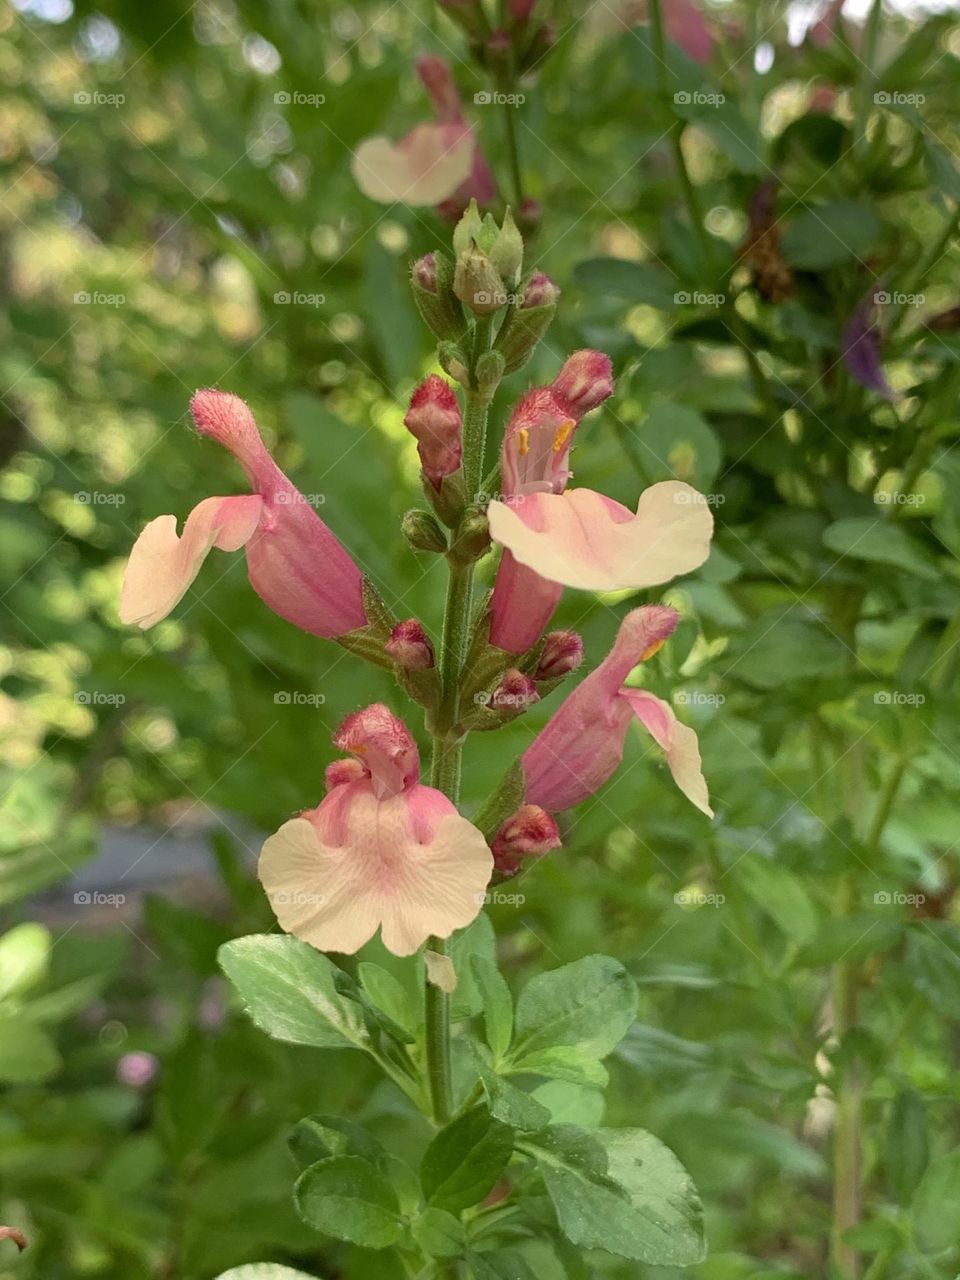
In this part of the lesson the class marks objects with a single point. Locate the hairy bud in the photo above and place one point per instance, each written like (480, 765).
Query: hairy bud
(562, 653)
(585, 381)
(530, 833)
(434, 421)
(409, 646)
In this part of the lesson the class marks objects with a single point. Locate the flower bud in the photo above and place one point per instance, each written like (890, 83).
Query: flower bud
(468, 230)
(585, 381)
(515, 692)
(478, 284)
(499, 49)
(468, 14)
(425, 272)
(520, 10)
(472, 538)
(562, 653)
(540, 291)
(529, 215)
(434, 421)
(409, 646)
(423, 532)
(431, 282)
(506, 252)
(530, 833)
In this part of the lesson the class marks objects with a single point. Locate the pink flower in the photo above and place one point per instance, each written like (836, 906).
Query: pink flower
(434, 421)
(294, 562)
(582, 744)
(379, 851)
(530, 833)
(137, 1069)
(434, 164)
(686, 26)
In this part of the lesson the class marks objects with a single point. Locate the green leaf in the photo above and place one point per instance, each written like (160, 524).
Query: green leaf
(588, 1005)
(781, 894)
(568, 1103)
(880, 542)
(290, 992)
(505, 1100)
(27, 1054)
(787, 649)
(725, 125)
(565, 1062)
(935, 1204)
(439, 1234)
(318, 1137)
(464, 1160)
(348, 1198)
(390, 995)
(24, 957)
(497, 1004)
(478, 939)
(831, 234)
(622, 1190)
(908, 1145)
(675, 442)
(502, 1265)
(504, 801)
(635, 282)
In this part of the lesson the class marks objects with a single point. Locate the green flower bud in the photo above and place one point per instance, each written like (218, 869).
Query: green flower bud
(506, 252)
(423, 532)
(472, 538)
(468, 230)
(431, 281)
(478, 284)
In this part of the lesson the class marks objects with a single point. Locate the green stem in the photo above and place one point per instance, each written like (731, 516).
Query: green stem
(847, 1155)
(869, 77)
(513, 152)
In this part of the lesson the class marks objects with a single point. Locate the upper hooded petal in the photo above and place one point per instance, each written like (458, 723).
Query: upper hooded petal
(162, 565)
(408, 863)
(583, 539)
(679, 742)
(424, 168)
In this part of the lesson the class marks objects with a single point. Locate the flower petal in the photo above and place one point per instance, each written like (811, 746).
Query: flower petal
(582, 539)
(677, 739)
(407, 862)
(162, 565)
(424, 168)
(522, 605)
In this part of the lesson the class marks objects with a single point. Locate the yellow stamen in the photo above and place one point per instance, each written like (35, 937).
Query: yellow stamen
(524, 446)
(652, 649)
(563, 435)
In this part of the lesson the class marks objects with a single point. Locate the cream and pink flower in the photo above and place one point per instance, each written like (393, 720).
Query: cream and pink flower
(295, 564)
(380, 851)
(582, 744)
(434, 164)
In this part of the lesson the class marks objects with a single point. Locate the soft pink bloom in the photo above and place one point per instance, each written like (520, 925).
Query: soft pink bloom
(686, 26)
(530, 833)
(584, 381)
(562, 653)
(437, 79)
(379, 851)
(434, 421)
(410, 647)
(294, 562)
(137, 1069)
(583, 742)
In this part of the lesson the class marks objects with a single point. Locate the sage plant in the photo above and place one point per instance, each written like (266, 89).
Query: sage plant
(386, 851)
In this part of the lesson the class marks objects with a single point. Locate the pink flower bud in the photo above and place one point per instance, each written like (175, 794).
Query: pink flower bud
(562, 653)
(515, 692)
(540, 292)
(136, 1069)
(499, 47)
(520, 10)
(425, 272)
(435, 422)
(530, 833)
(340, 772)
(409, 646)
(585, 381)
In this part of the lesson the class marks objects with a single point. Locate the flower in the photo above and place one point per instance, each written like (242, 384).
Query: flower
(434, 420)
(379, 851)
(582, 744)
(861, 350)
(434, 164)
(295, 564)
(686, 26)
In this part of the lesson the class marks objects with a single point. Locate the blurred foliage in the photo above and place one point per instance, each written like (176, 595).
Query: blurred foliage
(159, 203)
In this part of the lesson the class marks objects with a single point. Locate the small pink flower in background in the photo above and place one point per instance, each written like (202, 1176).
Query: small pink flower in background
(530, 833)
(294, 562)
(686, 26)
(380, 850)
(861, 347)
(434, 421)
(434, 164)
(137, 1069)
(582, 744)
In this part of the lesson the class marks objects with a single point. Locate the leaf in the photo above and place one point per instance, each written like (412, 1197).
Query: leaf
(879, 541)
(725, 125)
(622, 1190)
(787, 649)
(781, 894)
(635, 282)
(908, 1145)
(830, 234)
(465, 1159)
(27, 1054)
(317, 1137)
(565, 1062)
(390, 995)
(675, 442)
(439, 1234)
(506, 1102)
(589, 1004)
(477, 939)
(24, 957)
(505, 1265)
(289, 990)
(497, 1004)
(346, 1197)
(935, 1204)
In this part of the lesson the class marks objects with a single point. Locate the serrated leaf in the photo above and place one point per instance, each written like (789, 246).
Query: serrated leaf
(588, 1005)
(348, 1198)
(465, 1159)
(318, 1137)
(390, 995)
(497, 1004)
(505, 1100)
(290, 992)
(439, 1234)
